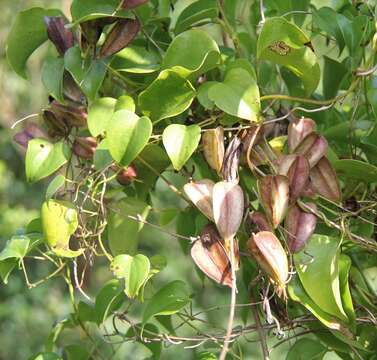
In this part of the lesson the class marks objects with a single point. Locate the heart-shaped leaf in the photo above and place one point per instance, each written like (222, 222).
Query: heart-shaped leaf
(134, 269)
(52, 77)
(180, 142)
(356, 169)
(44, 158)
(127, 136)
(28, 32)
(169, 95)
(99, 114)
(238, 95)
(283, 43)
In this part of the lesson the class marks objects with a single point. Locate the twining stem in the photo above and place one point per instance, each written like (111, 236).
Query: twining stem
(233, 299)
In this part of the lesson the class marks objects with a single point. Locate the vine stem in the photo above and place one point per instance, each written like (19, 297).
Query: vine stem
(233, 299)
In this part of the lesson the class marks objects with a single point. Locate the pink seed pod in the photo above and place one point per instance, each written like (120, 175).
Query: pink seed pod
(30, 131)
(258, 222)
(200, 193)
(267, 250)
(60, 36)
(300, 226)
(298, 130)
(274, 197)
(325, 181)
(213, 148)
(85, 147)
(313, 147)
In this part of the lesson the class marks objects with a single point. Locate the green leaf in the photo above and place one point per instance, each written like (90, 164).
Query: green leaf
(203, 95)
(125, 102)
(109, 299)
(76, 352)
(73, 63)
(134, 269)
(334, 73)
(319, 274)
(238, 95)
(122, 231)
(167, 301)
(127, 136)
(356, 169)
(169, 95)
(283, 43)
(189, 60)
(28, 32)
(307, 349)
(99, 114)
(44, 158)
(344, 268)
(180, 142)
(15, 248)
(46, 356)
(52, 77)
(54, 186)
(102, 156)
(197, 12)
(137, 60)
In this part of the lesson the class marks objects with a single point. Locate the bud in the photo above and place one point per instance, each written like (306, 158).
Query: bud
(85, 147)
(209, 255)
(298, 130)
(56, 125)
(228, 206)
(131, 4)
(300, 226)
(61, 37)
(127, 175)
(296, 168)
(325, 181)
(73, 114)
(313, 147)
(213, 147)
(271, 257)
(200, 193)
(256, 221)
(120, 36)
(31, 131)
(274, 197)
(231, 160)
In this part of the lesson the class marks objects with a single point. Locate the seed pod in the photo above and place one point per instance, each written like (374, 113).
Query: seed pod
(231, 160)
(120, 36)
(85, 147)
(200, 193)
(213, 147)
(91, 31)
(56, 125)
(325, 181)
(73, 114)
(30, 131)
(313, 147)
(274, 197)
(228, 207)
(271, 257)
(296, 168)
(127, 175)
(250, 138)
(298, 130)
(131, 4)
(300, 226)
(256, 221)
(71, 90)
(60, 36)
(209, 255)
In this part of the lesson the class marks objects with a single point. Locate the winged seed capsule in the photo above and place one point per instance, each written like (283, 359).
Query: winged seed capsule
(213, 147)
(228, 206)
(274, 196)
(200, 193)
(271, 257)
(298, 130)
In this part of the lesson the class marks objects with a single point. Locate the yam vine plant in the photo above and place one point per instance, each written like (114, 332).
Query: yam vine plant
(259, 118)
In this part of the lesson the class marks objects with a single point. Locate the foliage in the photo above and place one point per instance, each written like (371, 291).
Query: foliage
(186, 119)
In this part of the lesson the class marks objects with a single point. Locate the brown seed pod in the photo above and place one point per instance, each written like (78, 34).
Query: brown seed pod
(256, 221)
(313, 147)
(271, 257)
(60, 36)
(85, 147)
(120, 36)
(231, 160)
(210, 256)
(274, 197)
(213, 147)
(298, 130)
(297, 169)
(127, 175)
(73, 114)
(228, 207)
(325, 181)
(300, 226)
(29, 132)
(200, 193)
(56, 125)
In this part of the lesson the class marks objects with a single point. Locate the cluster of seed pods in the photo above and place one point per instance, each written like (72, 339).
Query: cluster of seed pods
(303, 173)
